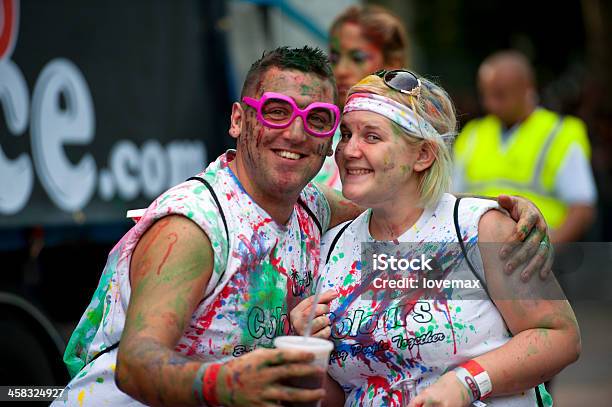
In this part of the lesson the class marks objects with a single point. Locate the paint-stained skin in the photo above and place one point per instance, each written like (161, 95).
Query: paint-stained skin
(371, 144)
(266, 270)
(245, 381)
(173, 238)
(269, 174)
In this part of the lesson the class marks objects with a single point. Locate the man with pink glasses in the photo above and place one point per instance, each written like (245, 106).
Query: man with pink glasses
(213, 268)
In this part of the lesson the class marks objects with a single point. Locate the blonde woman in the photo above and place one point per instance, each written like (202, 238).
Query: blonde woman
(427, 351)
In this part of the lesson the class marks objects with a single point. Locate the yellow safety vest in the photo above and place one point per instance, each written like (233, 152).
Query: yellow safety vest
(527, 164)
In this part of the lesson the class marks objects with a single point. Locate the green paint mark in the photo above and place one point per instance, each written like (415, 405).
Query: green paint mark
(139, 323)
(80, 341)
(532, 350)
(524, 230)
(100, 380)
(334, 43)
(348, 279)
(161, 201)
(267, 292)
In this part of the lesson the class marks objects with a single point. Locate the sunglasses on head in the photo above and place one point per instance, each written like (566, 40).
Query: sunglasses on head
(404, 82)
(278, 111)
(401, 80)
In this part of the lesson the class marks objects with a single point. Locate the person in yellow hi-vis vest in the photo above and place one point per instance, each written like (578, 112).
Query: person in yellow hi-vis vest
(520, 148)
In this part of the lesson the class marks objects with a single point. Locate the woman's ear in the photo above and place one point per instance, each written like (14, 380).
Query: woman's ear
(236, 120)
(426, 156)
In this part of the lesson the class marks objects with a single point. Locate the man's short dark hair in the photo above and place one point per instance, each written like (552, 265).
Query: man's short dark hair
(306, 59)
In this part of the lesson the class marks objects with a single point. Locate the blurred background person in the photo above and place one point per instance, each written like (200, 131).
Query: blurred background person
(362, 40)
(521, 148)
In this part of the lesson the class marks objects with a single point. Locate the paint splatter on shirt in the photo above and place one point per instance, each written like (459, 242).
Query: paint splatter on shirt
(384, 341)
(259, 275)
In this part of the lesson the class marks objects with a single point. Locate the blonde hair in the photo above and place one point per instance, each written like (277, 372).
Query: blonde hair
(379, 26)
(434, 106)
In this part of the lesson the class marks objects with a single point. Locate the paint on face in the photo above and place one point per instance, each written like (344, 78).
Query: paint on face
(353, 57)
(259, 147)
(374, 160)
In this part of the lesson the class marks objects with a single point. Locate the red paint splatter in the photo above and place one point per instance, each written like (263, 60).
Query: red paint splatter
(173, 239)
(450, 321)
(260, 224)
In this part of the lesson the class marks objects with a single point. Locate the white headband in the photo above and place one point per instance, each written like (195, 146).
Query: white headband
(394, 111)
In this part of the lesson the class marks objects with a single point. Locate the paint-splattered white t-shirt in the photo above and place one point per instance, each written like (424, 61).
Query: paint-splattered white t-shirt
(381, 340)
(266, 269)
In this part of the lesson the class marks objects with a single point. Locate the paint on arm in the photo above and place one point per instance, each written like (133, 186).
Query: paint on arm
(537, 314)
(169, 272)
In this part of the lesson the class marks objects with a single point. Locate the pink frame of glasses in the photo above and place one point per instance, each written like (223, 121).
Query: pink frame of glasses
(303, 113)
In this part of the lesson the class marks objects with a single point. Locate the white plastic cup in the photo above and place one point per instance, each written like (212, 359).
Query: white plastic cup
(321, 348)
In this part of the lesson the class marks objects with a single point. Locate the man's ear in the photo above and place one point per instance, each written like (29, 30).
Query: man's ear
(426, 156)
(236, 120)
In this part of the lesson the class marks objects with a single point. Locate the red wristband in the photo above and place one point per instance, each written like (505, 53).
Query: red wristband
(209, 384)
(480, 376)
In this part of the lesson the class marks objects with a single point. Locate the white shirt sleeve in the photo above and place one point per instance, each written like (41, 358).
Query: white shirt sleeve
(575, 183)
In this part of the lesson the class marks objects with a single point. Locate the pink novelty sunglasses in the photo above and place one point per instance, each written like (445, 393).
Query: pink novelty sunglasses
(278, 111)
